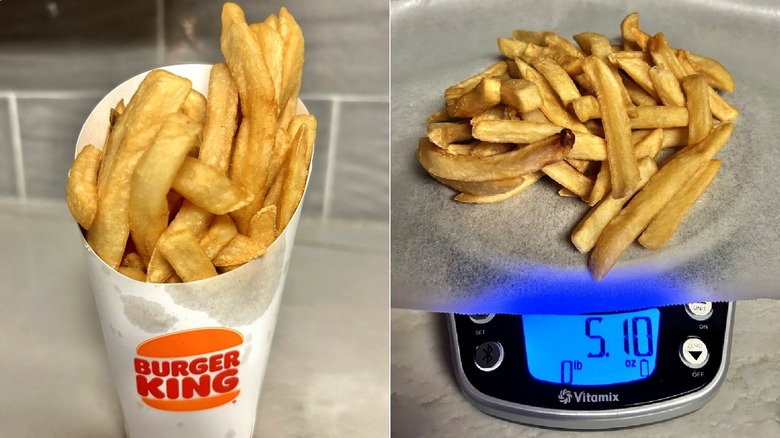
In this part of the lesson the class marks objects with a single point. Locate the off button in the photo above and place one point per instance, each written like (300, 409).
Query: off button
(489, 356)
(694, 353)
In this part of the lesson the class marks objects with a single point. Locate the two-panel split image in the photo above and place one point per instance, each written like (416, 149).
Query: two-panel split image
(384, 218)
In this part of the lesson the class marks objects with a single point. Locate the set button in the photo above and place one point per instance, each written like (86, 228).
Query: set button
(694, 353)
(489, 356)
(699, 311)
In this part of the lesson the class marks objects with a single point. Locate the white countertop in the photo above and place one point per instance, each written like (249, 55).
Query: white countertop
(426, 401)
(328, 372)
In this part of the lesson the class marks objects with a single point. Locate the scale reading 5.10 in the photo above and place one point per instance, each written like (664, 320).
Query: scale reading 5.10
(593, 371)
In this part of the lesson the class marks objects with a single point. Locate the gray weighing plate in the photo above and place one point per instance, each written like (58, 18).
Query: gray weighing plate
(515, 256)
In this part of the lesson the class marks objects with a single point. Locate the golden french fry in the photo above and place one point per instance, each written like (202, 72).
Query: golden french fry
(221, 119)
(512, 131)
(295, 179)
(444, 133)
(667, 86)
(720, 108)
(558, 79)
(133, 260)
(664, 225)
(645, 205)
(512, 164)
(536, 116)
(132, 272)
(626, 31)
(673, 137)
(271, 45)
(480, 149)
(564, 174)
(512, 48)
(637, 94)
(650, 144)
(588, 230)
(81, 190)
(638, 70)
(263, 227)
(642, 38)
(526, 182)
(194, 106)
(521, 94)
(572, 65)
(556, 41)
(153, 178)
(659, 117)
(530, 36)
(439, 116)
(717, 75)
(160, 94)
(582, 166)
(601, 185)
(292, 62)
(174, 279)
(467, 85)
(187, 257)
(699, 113)
(238, 251)
(624, 172)
(247, 65)
(486, 94)
(482, 188)
(204, 186)
(664, 55)
(586, 108)
(221, 231)
(551, 105)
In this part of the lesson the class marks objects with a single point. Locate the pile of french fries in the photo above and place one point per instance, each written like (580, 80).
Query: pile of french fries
(593, 117)
(187, 187)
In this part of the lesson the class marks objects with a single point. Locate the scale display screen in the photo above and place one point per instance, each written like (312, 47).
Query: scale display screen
(602, 349)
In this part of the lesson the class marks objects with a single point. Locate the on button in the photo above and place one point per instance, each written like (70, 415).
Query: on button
(699, 311)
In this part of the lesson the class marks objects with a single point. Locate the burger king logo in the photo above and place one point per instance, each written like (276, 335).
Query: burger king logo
(189, 370)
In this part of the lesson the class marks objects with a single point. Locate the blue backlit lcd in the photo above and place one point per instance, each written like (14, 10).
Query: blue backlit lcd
(603, 349)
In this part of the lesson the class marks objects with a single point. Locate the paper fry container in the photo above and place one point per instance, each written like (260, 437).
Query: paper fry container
(187, 359)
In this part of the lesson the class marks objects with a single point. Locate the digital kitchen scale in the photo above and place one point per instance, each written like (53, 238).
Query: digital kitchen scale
(593, 371)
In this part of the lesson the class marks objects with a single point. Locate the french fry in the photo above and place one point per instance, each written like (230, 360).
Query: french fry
(512, 48)
(586, 108)
(650, 145)
(699, 113)
(564, 174)
(521, 94)
(639, 70)
(292, 63)
(558, 79)
(81, 191)
(556, 41)
(443, 133)
(205, 187)
(295, 180)
(238, 251)
(467, 85)
(660, 117)
(271, 45)
(720, 108)
(187, 257)
(664, 55)
(528, 36)
(221, 231)
(132, 272)
(672, 137)
(512, 131)
(486, 94)
(588, 230)
(638, 95)
(221, 119)
(645, 205)
(717, 75)
(194, 106)
(624, 171)
(512, 164)
(480, 149)
(626, 31)
(667, 86)
(536, 116)
(642, 38)
(551, 105)
(664, 225)
(133, 260)
(153, 177)
(527, 181)
(159, 95)
(263, 226)
(601, 185)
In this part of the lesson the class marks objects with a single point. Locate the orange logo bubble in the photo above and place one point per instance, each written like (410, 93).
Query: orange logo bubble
(189, 370)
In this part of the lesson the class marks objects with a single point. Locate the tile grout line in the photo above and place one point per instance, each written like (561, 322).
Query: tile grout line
(160, 29)
(16, 146)
(330, 164)
(55, 94)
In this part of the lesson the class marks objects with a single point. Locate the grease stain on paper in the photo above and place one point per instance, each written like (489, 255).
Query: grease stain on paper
(147, 315)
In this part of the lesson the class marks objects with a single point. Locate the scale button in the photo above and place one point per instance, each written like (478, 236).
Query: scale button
(693, 352)
(483, 318)
(489, 356)
(699, 311)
